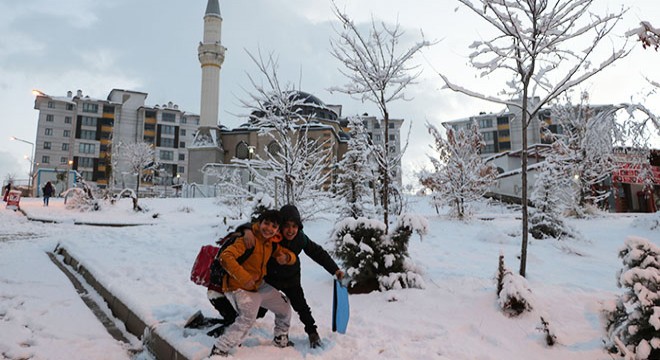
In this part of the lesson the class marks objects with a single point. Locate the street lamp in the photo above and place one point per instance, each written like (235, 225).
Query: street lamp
(251, 150)
(31, 162)
(68, 171)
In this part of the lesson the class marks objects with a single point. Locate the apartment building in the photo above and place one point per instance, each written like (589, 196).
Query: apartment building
(78, 135)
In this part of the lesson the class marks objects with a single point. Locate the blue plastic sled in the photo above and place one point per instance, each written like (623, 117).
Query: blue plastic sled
(340, 309)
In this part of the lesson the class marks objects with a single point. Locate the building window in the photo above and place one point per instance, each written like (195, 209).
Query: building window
(69, 106)
(51, 105)
(377, 137)
(485, 123)
(505, 146)
(503, 133)
(90, 108)
(488, 149)
(88, 134)
(50, 117)
(47, 145)
(184, 121)
(182, 157)
(87, 148)
(182, 132)
(64, 160)
(45, 159)
(392, 137)
(242, 150)
(167, 142)
(169, 117)
(274, 148)
(166, 155)
(488, 136)
(67, 119)
(65, 147)
(391, 125)
(66, 133)
(182, 144)
(502, 120)
(107, 109)
(48, 131)
(149, 127)
(181, 170)
(167, 129)
(86, 175)
(85, 162)
(88, 121)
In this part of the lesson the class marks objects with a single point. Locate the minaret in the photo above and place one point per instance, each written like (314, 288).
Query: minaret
(207, 145)
(211, 55)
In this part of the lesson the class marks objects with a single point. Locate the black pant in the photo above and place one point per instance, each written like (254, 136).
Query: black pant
(299, 304)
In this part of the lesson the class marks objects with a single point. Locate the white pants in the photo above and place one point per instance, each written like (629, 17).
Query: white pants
(247, 305)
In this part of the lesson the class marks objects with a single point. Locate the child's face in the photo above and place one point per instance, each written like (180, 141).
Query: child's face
(268, 228)
(290, 230)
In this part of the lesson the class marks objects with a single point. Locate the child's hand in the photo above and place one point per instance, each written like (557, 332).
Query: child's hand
(252, 283)
(248, 239)
(339, 274)
(282, 258)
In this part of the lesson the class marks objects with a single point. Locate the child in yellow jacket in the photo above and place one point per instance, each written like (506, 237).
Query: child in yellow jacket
(245, 285)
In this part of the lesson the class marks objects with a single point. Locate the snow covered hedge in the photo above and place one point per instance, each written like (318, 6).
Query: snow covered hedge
(375, 260)
(633, 325)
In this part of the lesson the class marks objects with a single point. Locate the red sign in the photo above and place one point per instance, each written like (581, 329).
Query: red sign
(629, 173)
(13, 199)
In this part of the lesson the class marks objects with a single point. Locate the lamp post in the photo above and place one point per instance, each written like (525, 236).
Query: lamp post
(251, 150)
(68, 172)
(31, 161)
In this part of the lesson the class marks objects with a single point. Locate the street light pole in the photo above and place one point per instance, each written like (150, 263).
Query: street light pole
(31, 161)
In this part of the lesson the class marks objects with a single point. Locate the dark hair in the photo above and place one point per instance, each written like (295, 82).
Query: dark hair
(272, 216)
(291, 213)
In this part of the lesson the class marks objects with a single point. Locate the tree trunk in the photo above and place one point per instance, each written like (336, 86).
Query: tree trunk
(525, 217)
(386, 165)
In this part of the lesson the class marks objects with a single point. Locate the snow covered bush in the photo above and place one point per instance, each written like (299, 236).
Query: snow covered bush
(546, 216)
(514, 296)
(78, 199)
(373, 259)
(633, 326)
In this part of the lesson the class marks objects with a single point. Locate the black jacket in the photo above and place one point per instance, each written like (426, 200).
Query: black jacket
(284, 276)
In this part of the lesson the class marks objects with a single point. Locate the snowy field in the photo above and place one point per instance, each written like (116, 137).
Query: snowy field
(455, 317)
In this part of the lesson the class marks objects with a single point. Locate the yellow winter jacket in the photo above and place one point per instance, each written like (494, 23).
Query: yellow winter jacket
(255, 264)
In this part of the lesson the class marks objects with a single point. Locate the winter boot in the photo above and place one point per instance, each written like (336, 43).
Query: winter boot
(196, 321)
(282, 341)
(315, 340)
(215, 351)
(217, 331)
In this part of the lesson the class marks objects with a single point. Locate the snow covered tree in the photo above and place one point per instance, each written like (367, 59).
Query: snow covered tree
(355, 174)
(513, 294)
(546, 216)
(140, 157)
(378, 72)
(375, 260)
(541, 43)
(584, 150)
(647, 35)
(295, 161)
(459, 174)
(633, 327)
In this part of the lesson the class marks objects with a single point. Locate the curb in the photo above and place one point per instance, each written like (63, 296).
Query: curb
(154, 343)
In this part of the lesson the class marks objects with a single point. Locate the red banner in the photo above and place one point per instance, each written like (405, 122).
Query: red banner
(13, 199)
(629, 173)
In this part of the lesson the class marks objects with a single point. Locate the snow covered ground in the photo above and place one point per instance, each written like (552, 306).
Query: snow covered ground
(455, 317)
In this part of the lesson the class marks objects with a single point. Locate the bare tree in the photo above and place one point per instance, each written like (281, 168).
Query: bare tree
(378, 72)
(139, 156)
(541, 43)
(293, 159)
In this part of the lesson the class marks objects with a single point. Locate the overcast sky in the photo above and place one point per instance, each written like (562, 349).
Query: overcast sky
(151, 46)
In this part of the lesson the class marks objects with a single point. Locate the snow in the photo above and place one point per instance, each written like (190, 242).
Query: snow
(455, 317)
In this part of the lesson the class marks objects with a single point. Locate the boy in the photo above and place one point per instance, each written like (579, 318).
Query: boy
(245, 286)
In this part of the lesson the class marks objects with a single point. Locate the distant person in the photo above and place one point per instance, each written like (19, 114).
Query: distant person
(48, 191)
(7, 190)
